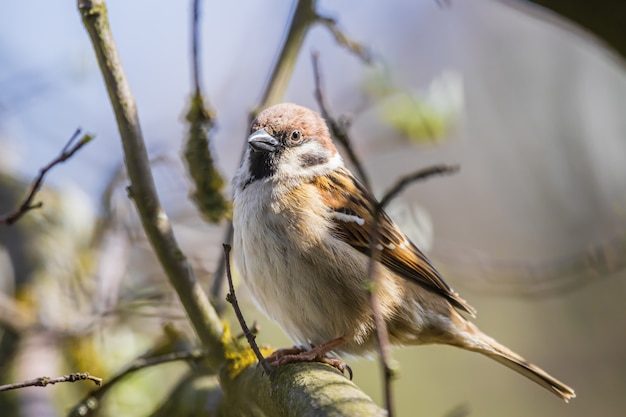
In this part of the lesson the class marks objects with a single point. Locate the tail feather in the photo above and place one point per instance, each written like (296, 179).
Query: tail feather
(536, 374)
(484, 344)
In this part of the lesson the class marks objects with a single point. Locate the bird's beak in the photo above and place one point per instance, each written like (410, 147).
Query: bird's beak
(261, 141)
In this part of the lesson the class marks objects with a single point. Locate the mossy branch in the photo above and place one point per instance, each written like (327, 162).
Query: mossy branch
(208, 181)
(295, 390)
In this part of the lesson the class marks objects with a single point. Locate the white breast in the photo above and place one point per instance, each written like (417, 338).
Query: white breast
(290, 264)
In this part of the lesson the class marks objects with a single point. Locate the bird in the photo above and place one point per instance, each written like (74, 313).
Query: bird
(302, 234)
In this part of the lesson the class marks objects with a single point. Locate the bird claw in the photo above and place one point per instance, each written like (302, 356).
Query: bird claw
(338, 364)
(275, 357)
(319, 353)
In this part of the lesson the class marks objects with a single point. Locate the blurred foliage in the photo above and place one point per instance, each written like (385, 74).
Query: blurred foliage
(73, 298)
(422, 117)
(196, 395)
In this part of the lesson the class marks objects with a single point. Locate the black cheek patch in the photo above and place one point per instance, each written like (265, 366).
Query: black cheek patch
(310, 160)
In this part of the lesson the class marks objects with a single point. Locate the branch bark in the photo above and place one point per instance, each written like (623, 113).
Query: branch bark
(68, 151)
(295, 390)
(45, 381)
(304, 15)
(142, 189)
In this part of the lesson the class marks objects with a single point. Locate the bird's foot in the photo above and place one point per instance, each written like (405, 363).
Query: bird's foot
(315, 354)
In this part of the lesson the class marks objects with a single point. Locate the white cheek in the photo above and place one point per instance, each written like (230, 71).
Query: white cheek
(291, 166)
(291, 163)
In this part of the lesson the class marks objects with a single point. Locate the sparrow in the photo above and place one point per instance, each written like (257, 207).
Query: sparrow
(302, 233)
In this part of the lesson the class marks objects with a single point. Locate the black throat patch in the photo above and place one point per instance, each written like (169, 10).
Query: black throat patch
(262, 165)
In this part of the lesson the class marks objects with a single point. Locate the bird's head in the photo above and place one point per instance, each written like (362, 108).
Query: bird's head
(288, 142)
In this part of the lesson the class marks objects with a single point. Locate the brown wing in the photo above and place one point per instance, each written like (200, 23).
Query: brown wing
(353, 218)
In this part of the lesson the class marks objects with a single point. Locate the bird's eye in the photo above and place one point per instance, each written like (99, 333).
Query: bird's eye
(295, 136)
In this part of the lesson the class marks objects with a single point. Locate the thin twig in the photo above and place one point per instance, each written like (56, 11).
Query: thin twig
(354, 47)
(302, 17)
(70, 148)
(422, 174)
(91, 402)
(219, 276)
(232, 299)
(381, 327)
(336, 128)
(254, 329)
(208, 182)
(195, 44)
(146, 362)
(142, 190)
(44, 381)
(384, 346)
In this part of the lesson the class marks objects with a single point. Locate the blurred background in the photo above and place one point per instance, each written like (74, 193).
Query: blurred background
(531, 231)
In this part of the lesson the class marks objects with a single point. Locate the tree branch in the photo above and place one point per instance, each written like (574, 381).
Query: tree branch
(208, 181)
(354, 47)
(91, 402)
(420, 175)
(232, 299)
(195, 43)
(45, 381)
(338, 130)
(68, 151)
(142, 189)
(381, 327)
(306, 389)
(303, 16)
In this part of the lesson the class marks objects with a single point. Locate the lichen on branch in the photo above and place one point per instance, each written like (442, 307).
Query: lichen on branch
(208, 182)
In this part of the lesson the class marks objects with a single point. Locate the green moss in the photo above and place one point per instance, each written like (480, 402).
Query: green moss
(238, 355)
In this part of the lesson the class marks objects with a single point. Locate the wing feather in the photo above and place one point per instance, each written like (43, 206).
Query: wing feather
(352, 214)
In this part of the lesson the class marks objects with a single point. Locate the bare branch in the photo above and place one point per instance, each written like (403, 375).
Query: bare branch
(45, 381)
(90, 403)
(384, 347)
(354, 47)
(142, 190)
(220, 274)
(207, 179)
(68, 151)
(411, 178)
(208, 182)
(302, 18)
(338, 130)
(381, 327)
(195, 44)
(232, 299)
